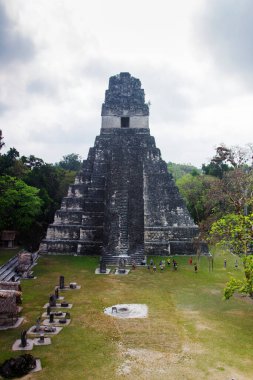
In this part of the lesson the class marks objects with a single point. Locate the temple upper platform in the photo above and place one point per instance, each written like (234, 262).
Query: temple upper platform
(124, 105)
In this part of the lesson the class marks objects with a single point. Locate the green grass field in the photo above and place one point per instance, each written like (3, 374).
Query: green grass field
(190, 333)
(6, 254)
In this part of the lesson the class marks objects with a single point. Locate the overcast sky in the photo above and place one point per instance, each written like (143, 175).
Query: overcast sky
(193, 57)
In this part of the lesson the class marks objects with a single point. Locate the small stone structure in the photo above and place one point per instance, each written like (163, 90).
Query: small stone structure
(8, 238)
(8, 285)
(124, 203)
(61, 281)
(25, 261)
(46, 330)
(23, 338)
(127, 311)
(102, 267)
(42, 341)
(52, 300)
(9, 309)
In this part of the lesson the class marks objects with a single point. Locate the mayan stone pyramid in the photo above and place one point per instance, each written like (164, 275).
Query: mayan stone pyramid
(124, 203)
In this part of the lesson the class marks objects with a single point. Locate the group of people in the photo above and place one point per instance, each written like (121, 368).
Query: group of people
(162, 264)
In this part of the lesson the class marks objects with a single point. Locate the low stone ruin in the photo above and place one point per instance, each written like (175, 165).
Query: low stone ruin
(8, 285)
(25, 261)
(121, 268)
(12, 287)
(8, 238)
(9, 309)
(62, 286)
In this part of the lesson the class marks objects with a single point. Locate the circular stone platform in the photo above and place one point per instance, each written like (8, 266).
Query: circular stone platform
(133, 310)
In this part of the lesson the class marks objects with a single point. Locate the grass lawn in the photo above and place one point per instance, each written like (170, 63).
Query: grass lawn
(6, 254)
(190, 333)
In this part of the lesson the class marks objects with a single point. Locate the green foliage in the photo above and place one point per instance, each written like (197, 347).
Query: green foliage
(216, 169)
(241, 286)
(195, 190)
(71, 162)
(19, 204)
(51, 183)
(18, 169)
(248, 270)
(32, 161)
(184, 307)
(234, 232)
(235, 190)
(179, 170)
(7, 161)
(234, 285)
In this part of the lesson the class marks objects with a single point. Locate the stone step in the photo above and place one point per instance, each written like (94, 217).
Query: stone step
(114, 260)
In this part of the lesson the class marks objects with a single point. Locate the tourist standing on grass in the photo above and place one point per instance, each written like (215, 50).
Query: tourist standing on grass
(154, 268)
(236, 264)
(168, 262)
(225, 263)
(190, 260)
(195, 268)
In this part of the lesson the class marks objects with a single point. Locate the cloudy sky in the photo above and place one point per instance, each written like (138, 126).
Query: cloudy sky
(193, 57)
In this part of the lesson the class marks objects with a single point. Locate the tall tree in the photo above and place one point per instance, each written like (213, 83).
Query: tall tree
(233, 190)
(7, 160)
(244, 286)
(71, 162)
(32, 161)
(195, 191)
(1, 138)
(235, 157)
(216, 169)
(19, 204)
(233, 231)
(53, 183)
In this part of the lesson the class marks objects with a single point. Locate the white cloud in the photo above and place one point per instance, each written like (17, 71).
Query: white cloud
(50, 104)
(14, 46)
(226, 29)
